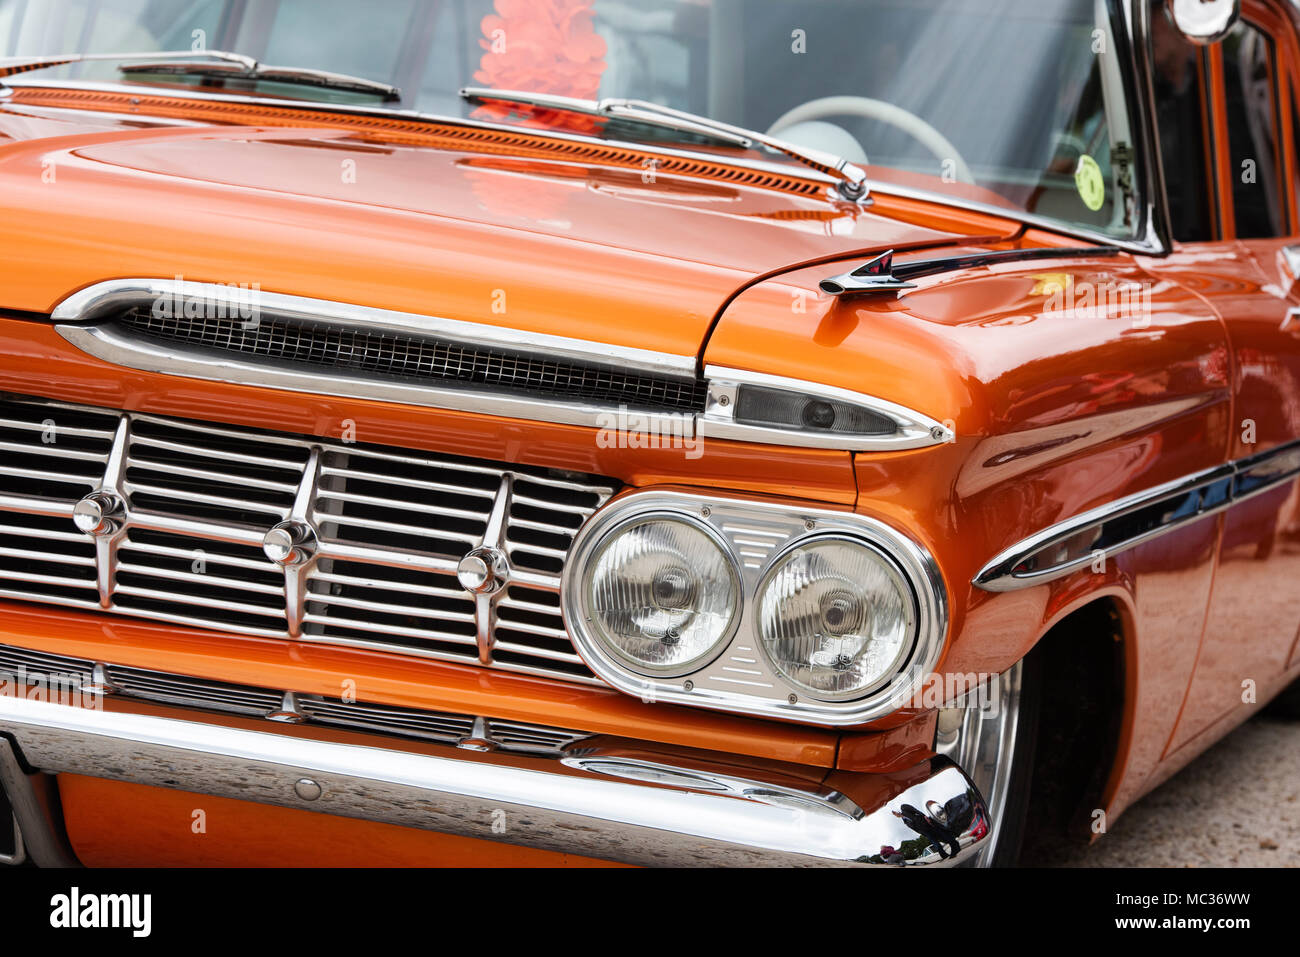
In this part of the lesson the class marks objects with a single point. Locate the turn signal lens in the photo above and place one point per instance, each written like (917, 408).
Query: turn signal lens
(835, 618)
(782, 409)
(663, 595)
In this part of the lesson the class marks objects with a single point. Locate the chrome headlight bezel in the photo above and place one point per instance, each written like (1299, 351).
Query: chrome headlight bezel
(757, 534)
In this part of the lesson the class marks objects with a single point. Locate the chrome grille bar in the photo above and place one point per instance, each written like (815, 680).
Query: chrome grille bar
(50, 671)
(181, 531)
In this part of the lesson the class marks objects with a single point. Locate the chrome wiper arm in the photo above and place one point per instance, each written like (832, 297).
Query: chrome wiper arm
(605, 109)
(274, 74)
(851, 180)
(235, 65)
(11, 66)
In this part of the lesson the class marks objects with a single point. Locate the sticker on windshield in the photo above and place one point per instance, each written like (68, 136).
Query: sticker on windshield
(1090, 183)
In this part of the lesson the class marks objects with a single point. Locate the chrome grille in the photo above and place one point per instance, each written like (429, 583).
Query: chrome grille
(60, 459)
(199, 499)
(61, 671)
(323, 347)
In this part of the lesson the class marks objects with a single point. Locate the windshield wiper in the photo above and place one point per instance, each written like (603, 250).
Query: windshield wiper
(850, 180)
(228, 66)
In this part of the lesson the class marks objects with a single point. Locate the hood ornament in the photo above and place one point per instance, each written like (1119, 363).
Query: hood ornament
(879, 275)
(875, 276)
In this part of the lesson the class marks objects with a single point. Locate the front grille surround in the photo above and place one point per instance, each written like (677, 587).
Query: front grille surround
(199, 498)
(326, 348)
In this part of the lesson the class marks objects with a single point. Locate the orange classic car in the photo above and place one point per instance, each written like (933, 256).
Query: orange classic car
(582, 432)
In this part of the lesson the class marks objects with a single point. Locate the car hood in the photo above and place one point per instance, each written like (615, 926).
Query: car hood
(552, 245)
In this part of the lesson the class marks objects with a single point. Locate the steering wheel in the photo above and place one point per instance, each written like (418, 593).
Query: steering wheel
(896, 116)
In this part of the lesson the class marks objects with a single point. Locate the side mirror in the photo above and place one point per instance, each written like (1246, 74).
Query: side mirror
(1204, 21)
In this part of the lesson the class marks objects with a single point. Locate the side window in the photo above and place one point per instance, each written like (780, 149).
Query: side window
(1179, 82)
(1254, 160)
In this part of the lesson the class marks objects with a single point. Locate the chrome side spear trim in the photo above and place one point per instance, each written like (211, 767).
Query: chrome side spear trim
(1125, 523)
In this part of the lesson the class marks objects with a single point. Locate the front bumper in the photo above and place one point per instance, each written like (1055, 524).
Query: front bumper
(602, 798)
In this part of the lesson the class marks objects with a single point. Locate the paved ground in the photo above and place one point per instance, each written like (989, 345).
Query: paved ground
(1237, 805)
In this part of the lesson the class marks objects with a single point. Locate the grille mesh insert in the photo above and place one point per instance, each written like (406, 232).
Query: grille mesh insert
(323, 347)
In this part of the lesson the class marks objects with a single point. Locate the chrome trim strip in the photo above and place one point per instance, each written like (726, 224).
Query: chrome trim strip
(609, 804)
(94, 302)
(1189, 499)
(915, 431)
(35, 802)
(756, 533)
(1155, 214)
(1149, 246)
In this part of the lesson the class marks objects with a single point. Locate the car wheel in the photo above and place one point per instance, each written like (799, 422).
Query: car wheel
(994, 745)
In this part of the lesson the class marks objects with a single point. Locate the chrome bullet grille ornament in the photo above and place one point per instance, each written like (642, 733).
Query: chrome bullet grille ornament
(290, 543)
(103, 514)
(99, 514)
(297, 543)
(483, 571)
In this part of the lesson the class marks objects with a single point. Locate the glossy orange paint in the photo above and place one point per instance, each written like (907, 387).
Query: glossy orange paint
(598, 255)
(1055, 410)
(160, 827)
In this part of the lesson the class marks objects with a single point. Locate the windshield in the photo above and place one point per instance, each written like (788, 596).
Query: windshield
(1012, 103)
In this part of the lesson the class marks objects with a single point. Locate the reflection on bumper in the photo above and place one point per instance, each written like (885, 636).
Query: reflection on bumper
(609, 801)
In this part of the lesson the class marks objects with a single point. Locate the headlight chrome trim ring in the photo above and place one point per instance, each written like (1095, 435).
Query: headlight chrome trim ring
(909, 590)
(627, 521)
(756, 534)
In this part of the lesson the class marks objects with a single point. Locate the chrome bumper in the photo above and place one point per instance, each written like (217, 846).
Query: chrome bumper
(614, 802)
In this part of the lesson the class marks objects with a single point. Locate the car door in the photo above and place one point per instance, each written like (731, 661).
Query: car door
(1231, 188)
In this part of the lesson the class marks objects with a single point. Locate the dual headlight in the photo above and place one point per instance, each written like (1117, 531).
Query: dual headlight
(740, 605)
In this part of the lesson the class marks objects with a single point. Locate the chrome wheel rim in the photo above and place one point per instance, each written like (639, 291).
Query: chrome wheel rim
(981, 740)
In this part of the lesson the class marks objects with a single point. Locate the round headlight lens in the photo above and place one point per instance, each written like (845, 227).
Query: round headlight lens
(835, 618)
(662, 595)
